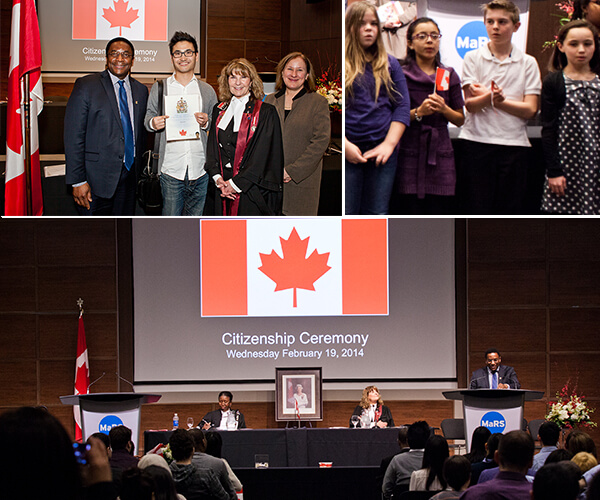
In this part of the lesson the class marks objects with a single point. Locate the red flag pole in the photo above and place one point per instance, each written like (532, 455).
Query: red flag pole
(27, 142)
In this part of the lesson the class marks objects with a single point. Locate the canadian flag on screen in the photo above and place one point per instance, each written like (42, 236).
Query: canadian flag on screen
(294, 267)
(132, 19)
(442, 79)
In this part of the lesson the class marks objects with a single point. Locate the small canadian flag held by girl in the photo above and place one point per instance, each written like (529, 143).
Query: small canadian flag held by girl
(442, 79)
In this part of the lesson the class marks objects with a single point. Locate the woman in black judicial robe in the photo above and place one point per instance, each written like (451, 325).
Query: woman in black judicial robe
(245, 148)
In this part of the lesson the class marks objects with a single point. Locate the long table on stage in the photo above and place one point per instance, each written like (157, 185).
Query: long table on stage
(300, 447)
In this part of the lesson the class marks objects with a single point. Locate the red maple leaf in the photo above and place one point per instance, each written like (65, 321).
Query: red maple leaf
(120, 16)
(183, 132)
(294, 269)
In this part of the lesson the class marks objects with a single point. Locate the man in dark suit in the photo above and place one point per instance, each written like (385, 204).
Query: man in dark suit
(494, 375)
(105, 136)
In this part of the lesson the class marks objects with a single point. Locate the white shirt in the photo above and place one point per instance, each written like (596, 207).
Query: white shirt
(224, 415)
(518, 75)
(188, 154)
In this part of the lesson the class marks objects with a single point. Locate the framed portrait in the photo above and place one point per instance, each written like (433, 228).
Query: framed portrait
(298, 394)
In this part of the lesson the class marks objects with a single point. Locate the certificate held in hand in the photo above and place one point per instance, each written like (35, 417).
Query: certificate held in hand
(182, 124)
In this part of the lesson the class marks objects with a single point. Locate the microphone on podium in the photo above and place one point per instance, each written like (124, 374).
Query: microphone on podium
(125, 380)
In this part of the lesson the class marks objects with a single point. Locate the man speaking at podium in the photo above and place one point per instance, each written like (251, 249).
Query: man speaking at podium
(494, 375)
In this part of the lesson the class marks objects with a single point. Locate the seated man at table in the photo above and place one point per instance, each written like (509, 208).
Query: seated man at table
(194, 483)
(218, 418)
(397, 475)
(204, 461)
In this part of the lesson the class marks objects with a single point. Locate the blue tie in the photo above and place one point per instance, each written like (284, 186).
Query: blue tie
(495, 380)
(126, 122)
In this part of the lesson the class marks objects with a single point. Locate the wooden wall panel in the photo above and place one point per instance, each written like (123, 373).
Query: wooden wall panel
(507, 284)
(581, 245)
(511, 329)
(57, 247)
(223, 51)
(580, 368)
(227, 27)
(18, 244)
(224, 8)
(574, 327)
(58, 334)
(17, 288)
(74, 282)
(17, 337)
(575, 283)
(19, 383)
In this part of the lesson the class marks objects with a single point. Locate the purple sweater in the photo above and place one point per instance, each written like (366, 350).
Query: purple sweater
(426, 162)
(368, 120)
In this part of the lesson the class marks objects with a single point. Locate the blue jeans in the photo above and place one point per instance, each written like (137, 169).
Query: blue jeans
(183, 197)
(368, 187)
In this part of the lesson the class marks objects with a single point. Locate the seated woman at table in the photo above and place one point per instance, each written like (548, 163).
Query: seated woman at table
(371, 402)
(244, 153)
(218, 418)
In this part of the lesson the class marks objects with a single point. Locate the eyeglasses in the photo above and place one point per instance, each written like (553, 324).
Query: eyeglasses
(424, 36)
(187, 53)
(115, 54)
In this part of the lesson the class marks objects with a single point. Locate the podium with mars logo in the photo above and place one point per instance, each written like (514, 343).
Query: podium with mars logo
(102, 411)
(500, 410)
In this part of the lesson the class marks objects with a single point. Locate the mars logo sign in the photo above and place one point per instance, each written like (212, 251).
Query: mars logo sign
(471, 36)
(494, 421)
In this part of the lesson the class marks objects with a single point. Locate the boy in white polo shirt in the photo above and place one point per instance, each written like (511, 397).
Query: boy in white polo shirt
(502, 86)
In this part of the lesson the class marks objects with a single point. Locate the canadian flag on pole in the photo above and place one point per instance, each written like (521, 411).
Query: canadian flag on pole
(294, 267)
(132, 19)
(25, 57)
(442, 79)
(82, 374)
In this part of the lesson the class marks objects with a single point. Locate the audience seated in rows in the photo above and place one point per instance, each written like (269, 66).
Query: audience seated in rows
(204, 461)
(560, 455)
(557, 481)
(489, 461)
(457, 473)
(430, 477)
(397, 475)
(403, 445)
(580, 441)
(548, 435)
(192, 482)
(585, 461)
(591, 479)
(214, 444)
(122, 448)
(39, 463)
(515, 456)
(478, 440)
(164, 484)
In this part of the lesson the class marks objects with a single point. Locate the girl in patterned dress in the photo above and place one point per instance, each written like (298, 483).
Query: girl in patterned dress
(571, 122)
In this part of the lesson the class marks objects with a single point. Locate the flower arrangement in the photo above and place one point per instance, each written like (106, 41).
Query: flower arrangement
(329, 85)
(566, 8)
(165, 452)
(570, 410)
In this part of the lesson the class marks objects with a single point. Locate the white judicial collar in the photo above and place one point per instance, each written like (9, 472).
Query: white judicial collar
(235, 110)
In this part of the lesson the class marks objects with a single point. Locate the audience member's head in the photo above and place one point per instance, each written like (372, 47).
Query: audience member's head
(120, 438)
(580, 441)
(436, 453)
(549, 433)
(181, 444)
(402, 432)
(135, 485)
(557, 481)
(560, 455)
(153, 460)
(593, 488)
(104, 438)
(199, 440)
(585, 461)
(492, 445)
(164, 486)
(457, 472)
(38, 461)
(478, 440)
(214, 443)
(417, 435)
(515, 451)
